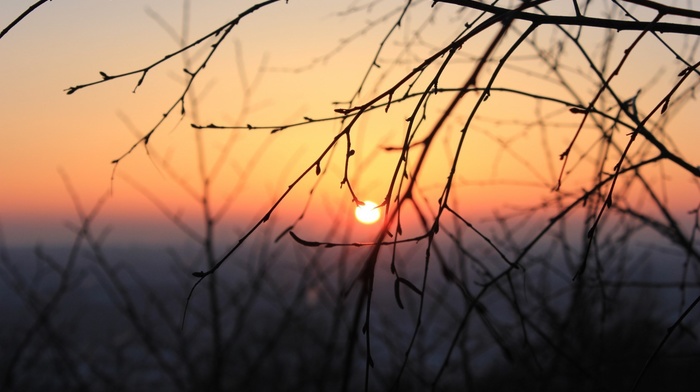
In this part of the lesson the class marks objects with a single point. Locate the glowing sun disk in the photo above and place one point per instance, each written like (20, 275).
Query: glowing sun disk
(367, 213)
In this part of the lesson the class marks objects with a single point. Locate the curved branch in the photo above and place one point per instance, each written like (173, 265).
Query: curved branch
(22, 16)
(580, 20)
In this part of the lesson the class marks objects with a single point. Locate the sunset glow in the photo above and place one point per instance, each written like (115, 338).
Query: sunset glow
(501, 162)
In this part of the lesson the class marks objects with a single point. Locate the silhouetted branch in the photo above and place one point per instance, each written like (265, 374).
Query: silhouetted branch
(23, 15)
(661, 344)
(581, 20)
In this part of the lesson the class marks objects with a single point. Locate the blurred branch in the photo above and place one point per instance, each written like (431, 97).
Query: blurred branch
(661, 344)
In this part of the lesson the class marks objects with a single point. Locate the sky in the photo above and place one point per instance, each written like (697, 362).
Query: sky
(281, 64)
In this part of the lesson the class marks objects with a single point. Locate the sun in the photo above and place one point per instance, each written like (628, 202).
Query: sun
(367, 213)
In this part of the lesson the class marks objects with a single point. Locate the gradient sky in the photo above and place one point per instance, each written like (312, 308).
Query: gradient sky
(44, 132)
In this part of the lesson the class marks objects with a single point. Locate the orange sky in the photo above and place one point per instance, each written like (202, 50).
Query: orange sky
(43, 130)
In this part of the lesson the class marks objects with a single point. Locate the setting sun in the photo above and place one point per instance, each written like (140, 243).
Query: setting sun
(367, 213)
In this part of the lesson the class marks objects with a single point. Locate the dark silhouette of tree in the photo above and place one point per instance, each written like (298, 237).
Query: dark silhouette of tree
(544, 289)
